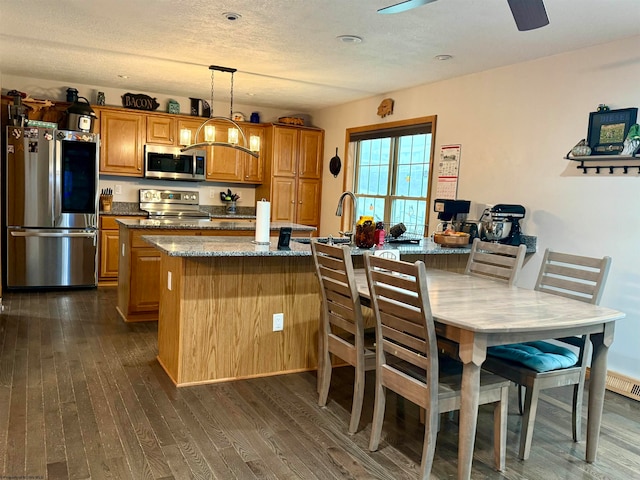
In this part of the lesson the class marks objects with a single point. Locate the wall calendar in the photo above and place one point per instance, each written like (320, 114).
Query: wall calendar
(447, 187)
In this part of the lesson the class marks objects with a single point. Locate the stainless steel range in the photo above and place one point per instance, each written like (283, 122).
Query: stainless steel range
(172, 204)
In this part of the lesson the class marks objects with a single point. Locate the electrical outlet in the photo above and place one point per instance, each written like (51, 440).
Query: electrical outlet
(117, 189)
(212, 193)
(278, 322)
(169, 280)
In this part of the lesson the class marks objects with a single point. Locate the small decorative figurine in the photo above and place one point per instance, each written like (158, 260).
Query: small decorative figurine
(581, 149)
(173, 107)
(632, 142)
(385, 108)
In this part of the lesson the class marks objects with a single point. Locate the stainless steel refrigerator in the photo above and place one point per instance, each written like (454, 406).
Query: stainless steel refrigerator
(51, 208)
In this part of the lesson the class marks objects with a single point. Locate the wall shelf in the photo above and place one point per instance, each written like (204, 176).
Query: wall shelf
(610, 163)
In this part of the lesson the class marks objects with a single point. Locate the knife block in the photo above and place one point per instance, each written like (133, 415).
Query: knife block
(105, 202)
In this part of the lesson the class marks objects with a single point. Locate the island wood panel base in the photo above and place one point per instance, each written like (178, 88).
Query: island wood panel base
(216, 321)
(138, 266)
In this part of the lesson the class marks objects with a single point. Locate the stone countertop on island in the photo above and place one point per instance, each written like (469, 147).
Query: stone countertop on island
(205, 224)
(192, 246)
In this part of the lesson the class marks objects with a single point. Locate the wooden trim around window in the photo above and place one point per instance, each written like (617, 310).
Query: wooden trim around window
(349, 160)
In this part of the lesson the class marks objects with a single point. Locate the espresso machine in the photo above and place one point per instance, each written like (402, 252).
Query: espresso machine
(501, 223)
(451, 212)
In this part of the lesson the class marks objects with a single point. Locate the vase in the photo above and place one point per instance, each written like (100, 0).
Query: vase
(231, 208)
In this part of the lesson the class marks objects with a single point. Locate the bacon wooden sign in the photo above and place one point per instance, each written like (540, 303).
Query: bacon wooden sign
(139, 101)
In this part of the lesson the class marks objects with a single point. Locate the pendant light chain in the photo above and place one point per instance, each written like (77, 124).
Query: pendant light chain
(231, 103)
(211, 111)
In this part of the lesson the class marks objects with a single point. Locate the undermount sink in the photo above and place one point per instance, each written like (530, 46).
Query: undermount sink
(307, 240)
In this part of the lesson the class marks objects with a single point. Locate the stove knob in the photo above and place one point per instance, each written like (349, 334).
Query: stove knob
(147, 195)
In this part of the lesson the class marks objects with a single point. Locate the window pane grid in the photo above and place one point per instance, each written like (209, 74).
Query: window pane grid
(392, 179)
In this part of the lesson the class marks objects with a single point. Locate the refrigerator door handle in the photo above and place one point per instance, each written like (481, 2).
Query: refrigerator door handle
(55, 159)
(55, 234)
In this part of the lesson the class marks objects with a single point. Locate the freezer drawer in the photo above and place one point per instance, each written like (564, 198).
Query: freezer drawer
(51, 258)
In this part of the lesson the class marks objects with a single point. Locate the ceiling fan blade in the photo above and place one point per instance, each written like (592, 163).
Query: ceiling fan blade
(404, 6)
(528, 14)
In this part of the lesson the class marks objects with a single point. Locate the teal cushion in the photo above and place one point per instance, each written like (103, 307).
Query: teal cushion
(538, 356)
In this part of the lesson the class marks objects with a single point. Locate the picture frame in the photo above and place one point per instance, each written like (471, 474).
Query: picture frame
(608, 130)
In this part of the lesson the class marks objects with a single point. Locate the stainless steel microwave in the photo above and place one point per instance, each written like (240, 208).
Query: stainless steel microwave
(169, 163)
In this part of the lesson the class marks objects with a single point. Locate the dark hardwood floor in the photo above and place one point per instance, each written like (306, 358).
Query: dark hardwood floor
(82, 396)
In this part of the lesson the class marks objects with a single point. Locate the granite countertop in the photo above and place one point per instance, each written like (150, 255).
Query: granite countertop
(132, 209)
(205, 224)
(192, 246)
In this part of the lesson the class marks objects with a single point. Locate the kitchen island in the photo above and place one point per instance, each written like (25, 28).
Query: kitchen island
(139, 262)
(218, 296)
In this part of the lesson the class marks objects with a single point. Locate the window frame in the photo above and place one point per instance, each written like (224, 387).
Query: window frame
(351, 152)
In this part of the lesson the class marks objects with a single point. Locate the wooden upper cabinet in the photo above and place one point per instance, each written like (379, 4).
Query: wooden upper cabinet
(161, 130)
(122, 136)
(253, 168)
(297, 152)
(231, 165)
(285, 151)
(192, 125)
(293, 174)
(310, 154)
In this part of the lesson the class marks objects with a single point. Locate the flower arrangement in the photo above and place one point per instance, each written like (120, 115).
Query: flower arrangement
(228, 196)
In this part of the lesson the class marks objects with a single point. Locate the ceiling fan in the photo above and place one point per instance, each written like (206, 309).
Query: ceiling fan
(528, 14)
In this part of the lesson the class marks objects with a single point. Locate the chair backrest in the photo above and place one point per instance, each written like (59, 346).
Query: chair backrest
(340, 300)
(496, 261)
(573, 276)
(405, 332)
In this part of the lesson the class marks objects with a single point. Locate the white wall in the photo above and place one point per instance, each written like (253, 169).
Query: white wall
(209, 191)
(515, 125)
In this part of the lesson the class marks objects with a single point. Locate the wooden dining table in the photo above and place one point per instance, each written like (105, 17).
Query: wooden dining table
(475, 313)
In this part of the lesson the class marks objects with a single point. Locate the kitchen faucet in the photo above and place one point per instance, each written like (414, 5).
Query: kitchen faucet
(352, 233)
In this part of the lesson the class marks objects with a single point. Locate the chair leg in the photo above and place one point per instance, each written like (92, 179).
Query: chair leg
(578, 394)
(528, 419)
(378, 415)
(521, 390)
(358, 398)
(500, 412)
(431, 425)
(324, 378)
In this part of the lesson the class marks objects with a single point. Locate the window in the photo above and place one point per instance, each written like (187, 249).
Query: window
(392, 172)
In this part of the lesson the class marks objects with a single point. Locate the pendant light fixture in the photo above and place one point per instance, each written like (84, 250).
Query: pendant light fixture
(234, 132)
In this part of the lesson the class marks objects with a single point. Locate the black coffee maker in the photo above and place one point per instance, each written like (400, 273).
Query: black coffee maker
(501, 223)
(451, 211)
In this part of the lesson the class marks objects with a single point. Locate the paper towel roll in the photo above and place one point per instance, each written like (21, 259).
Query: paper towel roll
(263, 215)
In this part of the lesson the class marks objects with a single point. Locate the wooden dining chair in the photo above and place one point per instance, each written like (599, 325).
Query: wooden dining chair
(342, 330)
(535, 366)
(407, 359)
(495, 261)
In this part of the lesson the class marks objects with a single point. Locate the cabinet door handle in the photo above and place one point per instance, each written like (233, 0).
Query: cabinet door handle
(300, 202)
(293, 201)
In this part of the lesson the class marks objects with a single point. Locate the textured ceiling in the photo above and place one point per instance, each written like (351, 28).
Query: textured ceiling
(286, 51)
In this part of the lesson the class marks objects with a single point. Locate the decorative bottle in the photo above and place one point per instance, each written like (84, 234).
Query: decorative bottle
(379, 234)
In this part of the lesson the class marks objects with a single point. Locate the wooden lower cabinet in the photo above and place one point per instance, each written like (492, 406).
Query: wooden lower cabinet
(145, 280)
(109, 249)
(139, 270)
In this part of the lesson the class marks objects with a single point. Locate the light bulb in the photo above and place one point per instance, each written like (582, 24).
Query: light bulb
(233, 136)
(254, 143)
(185, 136)
(209, 133)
